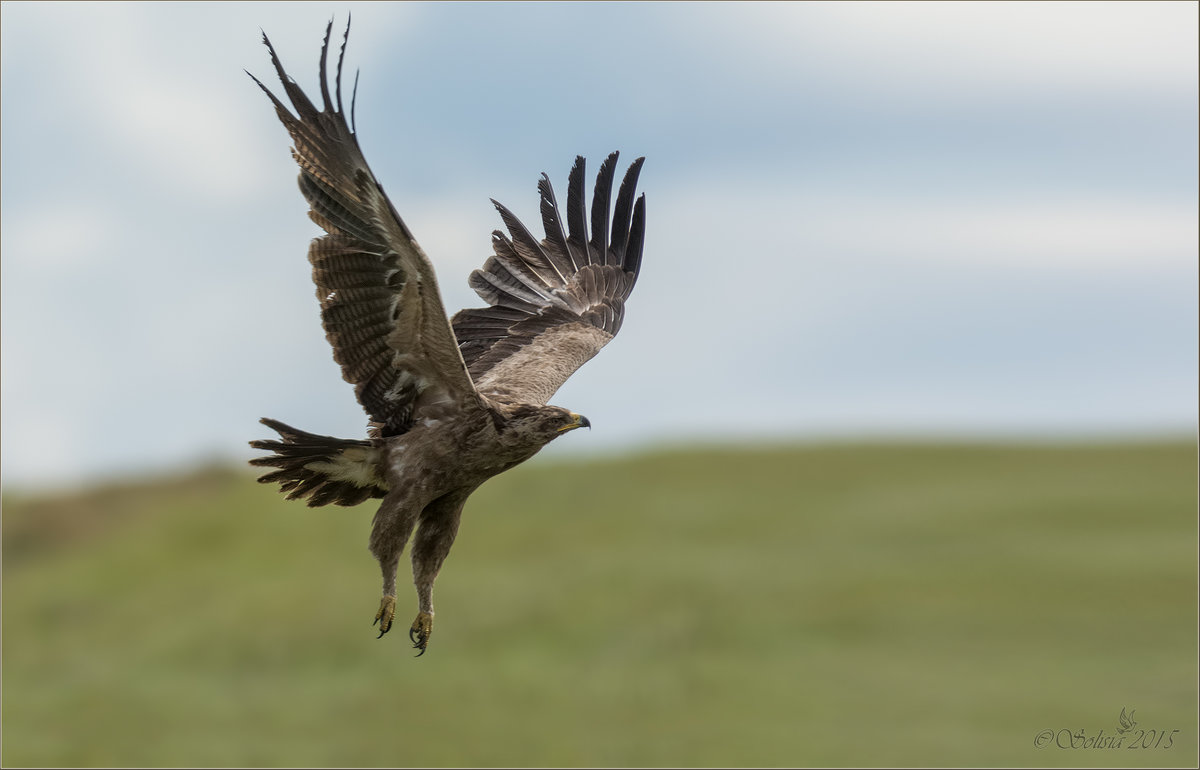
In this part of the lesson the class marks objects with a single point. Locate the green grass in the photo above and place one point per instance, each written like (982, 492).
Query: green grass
(861, 605)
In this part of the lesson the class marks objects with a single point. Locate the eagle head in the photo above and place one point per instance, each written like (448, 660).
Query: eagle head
(533, 425)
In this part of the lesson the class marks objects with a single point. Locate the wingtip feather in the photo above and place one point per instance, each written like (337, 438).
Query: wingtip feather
(341, 59)
(601, 195)
(322, 70)
(620, 221)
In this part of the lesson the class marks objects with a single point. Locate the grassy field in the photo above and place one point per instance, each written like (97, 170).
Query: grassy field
(863, 605)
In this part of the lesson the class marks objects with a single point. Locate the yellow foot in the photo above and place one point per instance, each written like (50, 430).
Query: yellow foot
(422, 627)
(387, 611)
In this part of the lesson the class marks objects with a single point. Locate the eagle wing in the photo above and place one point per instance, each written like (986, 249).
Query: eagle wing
(554, 303)
(380, 305)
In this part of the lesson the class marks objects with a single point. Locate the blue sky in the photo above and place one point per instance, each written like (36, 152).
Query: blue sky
(863, 219)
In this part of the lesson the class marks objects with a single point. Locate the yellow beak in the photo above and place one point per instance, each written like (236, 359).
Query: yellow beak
(579, 421)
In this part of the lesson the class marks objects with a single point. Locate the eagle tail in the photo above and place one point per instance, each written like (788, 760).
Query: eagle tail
(324, 469)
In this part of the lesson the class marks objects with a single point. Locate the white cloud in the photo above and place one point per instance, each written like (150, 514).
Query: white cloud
(1023, 232)
(971, 45)
(51, 240)
(1029, 234)
(160, 87)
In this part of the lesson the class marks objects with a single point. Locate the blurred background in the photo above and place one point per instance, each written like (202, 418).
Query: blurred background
(894, 461)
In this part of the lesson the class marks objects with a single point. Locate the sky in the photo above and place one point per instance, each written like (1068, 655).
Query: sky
(863, 220)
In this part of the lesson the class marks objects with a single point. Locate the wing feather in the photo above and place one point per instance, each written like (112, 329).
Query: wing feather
(600, 203)
(528, 250)
(637, 235)
(380, 305)
(621, 214)
(556, 240)
(577, 215)
(555, 303)
(501, 287)
(515, 266)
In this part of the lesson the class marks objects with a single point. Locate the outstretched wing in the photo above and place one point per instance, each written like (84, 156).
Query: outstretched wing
(553, 304)
(380, 304)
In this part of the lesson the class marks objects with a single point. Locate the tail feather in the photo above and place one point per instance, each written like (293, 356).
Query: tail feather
(324, 469)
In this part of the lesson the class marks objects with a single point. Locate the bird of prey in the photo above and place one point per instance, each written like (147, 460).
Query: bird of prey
(451, 402)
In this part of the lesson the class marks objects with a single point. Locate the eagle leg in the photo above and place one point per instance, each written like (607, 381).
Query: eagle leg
(394, 522)
(420, 632)
(387, 611)
(439, 525)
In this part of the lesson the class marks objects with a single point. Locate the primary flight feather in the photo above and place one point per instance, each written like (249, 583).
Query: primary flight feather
(451, 402)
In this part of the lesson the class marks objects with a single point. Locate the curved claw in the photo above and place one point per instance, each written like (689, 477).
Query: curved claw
(420, 632)
(387, 611)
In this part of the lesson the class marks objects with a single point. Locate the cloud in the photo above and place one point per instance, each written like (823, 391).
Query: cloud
(1031, 231)
(174, 112)
(55, 239)
(979, 46)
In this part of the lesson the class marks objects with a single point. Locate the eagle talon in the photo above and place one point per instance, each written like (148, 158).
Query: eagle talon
(387, 611)
(420, 632)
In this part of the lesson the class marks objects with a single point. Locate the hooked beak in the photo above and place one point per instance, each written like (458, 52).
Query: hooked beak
(579, 421)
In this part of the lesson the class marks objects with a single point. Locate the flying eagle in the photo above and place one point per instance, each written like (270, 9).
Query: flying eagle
(451, 402)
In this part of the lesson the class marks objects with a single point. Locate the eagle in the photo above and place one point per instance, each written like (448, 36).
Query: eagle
(451, 402)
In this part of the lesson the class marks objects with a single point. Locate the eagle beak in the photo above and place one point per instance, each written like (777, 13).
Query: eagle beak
(579, 422)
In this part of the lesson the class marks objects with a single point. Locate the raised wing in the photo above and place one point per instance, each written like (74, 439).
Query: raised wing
(553, 303)
(380, 304)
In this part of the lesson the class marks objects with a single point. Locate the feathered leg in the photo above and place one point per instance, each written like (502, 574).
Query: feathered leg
(390, 531)
(439, 525)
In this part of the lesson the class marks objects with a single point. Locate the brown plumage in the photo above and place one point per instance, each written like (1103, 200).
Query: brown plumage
(451, 403)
